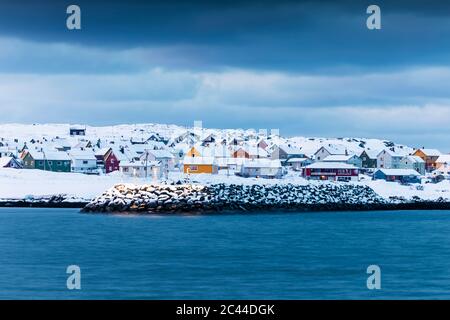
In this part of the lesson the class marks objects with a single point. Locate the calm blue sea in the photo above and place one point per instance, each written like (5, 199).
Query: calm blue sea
(234, 256)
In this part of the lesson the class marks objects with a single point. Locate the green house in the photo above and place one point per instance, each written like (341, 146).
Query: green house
(49, 161)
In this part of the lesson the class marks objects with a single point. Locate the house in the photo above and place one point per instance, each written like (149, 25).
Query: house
(329, 150)
(441, 173)
(230, 164)
(240, 153)
(218, 151)
(349, 159)
(83, 161)
(443, 160)
(55, 161)
(397, 175)
(413, 162)
(194, 165)
(430, 157)
(298, 163)
(10, 162)
(192, 152)
(164, 157)
(209, 139)
(286, 152)
(332, 171)
(368, 159)
(107, 161)
(141, 169)
(261, 168)
(249, 152)
(77, 131)
(388, 159)
(262, 144)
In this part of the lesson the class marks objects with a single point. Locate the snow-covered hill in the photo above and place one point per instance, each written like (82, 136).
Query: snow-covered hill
(17, 134)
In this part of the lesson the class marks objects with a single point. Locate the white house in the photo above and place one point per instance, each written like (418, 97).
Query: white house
(141, 169)
(443, 160)
(262, 168)
(388, 159)
(329, 150)
(83, 161)
(413, 162)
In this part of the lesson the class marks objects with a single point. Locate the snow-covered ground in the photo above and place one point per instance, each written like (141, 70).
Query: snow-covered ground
(19, 184)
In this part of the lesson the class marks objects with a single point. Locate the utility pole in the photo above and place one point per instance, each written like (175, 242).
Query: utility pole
(146, 164)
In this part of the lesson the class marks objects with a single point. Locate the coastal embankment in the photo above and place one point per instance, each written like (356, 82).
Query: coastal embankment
(194, 198)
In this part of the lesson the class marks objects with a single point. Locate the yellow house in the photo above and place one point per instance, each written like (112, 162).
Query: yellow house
(193, 152)
(429, 156)
(194, 165)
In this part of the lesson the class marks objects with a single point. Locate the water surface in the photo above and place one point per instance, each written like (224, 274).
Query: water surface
(240, 256)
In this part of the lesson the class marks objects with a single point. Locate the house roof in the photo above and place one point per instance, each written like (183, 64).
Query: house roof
(101, 152)
(431, 152)
(399, 172)
(416, 159)
(139, 164)
(297, 160)
(82, 154)
(444, 158)
(338, 158)
(372, 154)
(334, 149)
(49, 155)
(330, 165)
(392, 153)
(291, 150)
(262, 163)
(4, 161)
(198, 160)
(161, 154)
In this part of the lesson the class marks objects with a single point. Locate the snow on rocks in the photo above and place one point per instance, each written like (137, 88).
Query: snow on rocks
(218, 197)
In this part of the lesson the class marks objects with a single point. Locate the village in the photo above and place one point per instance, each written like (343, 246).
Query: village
(152, 155)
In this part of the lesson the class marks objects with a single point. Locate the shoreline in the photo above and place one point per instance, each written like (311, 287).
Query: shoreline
(408, 206)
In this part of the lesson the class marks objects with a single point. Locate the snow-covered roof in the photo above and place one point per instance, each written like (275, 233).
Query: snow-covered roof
(338, 158)
(101, 152)
(444, 158)
(399, 172)
(334, 149)
(139, 164)
(372, 154)
(262, 163)
(82, 154)
(394, 154)
(330, 165)
(198, 160)
(431, 152)
(290, 150)
(291, 160)
(416, 159)
(161, 154)
(4, 161)
(49, 155)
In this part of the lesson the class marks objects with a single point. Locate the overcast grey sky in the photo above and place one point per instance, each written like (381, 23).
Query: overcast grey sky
(306, 67)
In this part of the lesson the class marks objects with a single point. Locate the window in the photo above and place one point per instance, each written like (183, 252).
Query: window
(85, 162)
(59, 163)
(193, 168)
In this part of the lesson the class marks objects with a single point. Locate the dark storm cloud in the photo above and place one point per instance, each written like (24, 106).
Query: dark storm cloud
(268, 35)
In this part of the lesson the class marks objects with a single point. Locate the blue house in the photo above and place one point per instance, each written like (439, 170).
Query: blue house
(397, 175)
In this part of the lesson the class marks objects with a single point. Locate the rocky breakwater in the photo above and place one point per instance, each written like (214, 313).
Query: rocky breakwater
(178, 198)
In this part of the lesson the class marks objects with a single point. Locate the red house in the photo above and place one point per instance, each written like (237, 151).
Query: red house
(334, 171)
(107, 160)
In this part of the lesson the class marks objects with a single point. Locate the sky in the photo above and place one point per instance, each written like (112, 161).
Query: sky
(309, 68)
